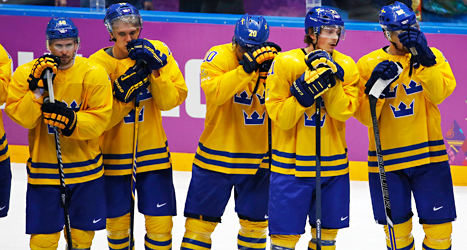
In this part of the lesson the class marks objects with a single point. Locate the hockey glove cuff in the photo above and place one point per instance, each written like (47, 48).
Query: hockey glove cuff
(312, 84)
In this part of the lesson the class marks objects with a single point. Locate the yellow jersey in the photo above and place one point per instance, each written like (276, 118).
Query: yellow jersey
(409, 121)
(6, 68)
(85, 88)
(234, 140)
(294, 126)
(164, 93)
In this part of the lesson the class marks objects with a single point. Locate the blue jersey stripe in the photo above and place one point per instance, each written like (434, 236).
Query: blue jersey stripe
(226, 164)
(65, 165)
(138, 154)
(408, 158)
(67, 175)
(118, 242)
(230, 155)
(309, 157)
(408, 148)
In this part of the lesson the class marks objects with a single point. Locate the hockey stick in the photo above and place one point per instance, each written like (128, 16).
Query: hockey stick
(141, 63)
(60, 165)
(318, 172)
(374, 95)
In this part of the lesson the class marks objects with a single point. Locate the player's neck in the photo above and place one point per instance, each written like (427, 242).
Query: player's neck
(392, 50)
(119, 54)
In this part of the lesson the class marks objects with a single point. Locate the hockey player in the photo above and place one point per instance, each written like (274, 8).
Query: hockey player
(81, 112)
(296, 78)
(160, 86)
(5, 168)
(233, 148)
(412, 144)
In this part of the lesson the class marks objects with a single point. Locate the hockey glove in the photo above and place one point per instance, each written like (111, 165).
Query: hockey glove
(37, 77)
(259, 54)
(128, 84)
(59, 115)
(416, 39)
(312, 84)
(318, 58)
(144, 50)
(263, 71)
(385, 70)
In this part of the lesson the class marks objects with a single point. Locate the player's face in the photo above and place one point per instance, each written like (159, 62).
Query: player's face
(327, 40)
(64, 48)
(124, 32)
(399, 47)
(239, 51)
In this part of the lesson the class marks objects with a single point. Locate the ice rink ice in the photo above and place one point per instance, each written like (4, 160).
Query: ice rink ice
(363, 233)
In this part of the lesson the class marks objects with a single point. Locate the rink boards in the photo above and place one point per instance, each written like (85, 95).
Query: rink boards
(190, 35)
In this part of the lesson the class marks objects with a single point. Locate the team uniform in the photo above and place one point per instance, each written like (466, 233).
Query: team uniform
(413, 149)
(86, 90)
(154, 181)
(233, 148)
(293, 147)
(411, 139)
(6, 68)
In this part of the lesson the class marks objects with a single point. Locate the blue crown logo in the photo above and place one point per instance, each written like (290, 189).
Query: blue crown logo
(390, 93)
(254, 118)
(243, 98)
(311, 121)
(413, 88)
(145, 94)
(403, 110)
(261, 98)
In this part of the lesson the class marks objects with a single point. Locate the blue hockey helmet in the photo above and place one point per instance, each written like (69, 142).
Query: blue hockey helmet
(396, 16)
(61, 27)
(319, 17)
(122, 11)
(251, 31)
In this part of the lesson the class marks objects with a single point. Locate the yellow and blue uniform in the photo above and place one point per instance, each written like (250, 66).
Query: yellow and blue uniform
(5, 169)
(154, 182)
(85, 88)
(232, 152)
(294, 146)
(412, 143)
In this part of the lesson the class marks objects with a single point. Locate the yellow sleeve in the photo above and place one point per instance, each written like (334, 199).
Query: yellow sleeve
(93, 120)
(341, 101)
(283, 108)
(220, 84)
(438, 81)
(21, 103)
(362, 113)
(169, 89)
(5, 73)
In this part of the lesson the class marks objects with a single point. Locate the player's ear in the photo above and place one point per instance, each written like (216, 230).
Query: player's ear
(112, 38)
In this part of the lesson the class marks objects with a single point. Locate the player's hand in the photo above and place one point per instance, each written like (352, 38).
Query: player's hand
(59, 115)
(385, 70)
(318, 58)
(37, 77)
(144, 50)
(312, 84)
(128, 84)
(252, 59)
(414, 38)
